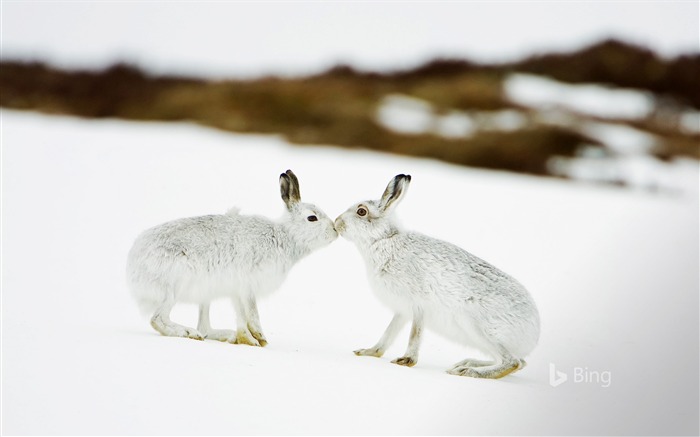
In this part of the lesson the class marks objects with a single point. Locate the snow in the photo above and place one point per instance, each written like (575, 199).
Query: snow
(455, 124)
(640, 172)
(628, 160)
(225, 38)
(621, 139)
(411, 115)
(690, 122)
(625, 158)
(405, 114)
(614, 273)
(505, 120)
(547, 94)
(627, 154)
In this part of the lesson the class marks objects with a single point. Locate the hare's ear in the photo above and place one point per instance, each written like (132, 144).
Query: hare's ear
(289, 188)
(394, 192)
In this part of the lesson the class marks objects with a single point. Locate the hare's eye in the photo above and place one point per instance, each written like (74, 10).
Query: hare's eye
(312, 218)
(361, 212)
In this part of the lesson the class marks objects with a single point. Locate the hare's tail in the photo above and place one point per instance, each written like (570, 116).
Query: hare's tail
(144, 290)
(147, 298)
(146, 284)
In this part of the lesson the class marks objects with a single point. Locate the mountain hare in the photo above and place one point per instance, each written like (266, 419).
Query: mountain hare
(439, 285)
(199, 259)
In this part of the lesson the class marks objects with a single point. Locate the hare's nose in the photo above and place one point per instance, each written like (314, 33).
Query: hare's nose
(339, 224)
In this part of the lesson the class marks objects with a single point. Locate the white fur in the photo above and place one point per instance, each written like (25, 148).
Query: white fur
(439, 285)
(199, 259)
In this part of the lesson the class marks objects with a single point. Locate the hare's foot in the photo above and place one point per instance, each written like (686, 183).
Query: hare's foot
(471, 362)
(410, 357)
(254, 322)
(207, 331)
(494, 371)
(371, 352)
(405, 361)
(387, 338)
(170, 329)
(260, 337)
(220, 334)
(245, 337)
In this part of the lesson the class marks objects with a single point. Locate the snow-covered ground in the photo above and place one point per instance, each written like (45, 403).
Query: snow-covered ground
(540, 92)
(614, 273)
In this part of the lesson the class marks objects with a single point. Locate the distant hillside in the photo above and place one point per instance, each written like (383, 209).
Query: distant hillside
(340, 107)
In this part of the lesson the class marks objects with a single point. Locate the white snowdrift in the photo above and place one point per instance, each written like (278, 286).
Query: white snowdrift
(614, 272)
(410, 115)
(539, 92)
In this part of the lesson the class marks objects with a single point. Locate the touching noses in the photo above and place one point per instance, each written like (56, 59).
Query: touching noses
(339, 224)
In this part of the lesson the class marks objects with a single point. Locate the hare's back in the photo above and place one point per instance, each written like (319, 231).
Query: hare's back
(208, 236)
(453, 268)
(202, 258)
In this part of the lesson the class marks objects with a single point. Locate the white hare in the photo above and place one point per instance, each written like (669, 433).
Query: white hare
(243, 257)
(441, 286)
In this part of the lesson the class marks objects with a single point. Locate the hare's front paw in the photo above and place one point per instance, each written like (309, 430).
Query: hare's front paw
(245, 337)
(405, 361)
(371, 352)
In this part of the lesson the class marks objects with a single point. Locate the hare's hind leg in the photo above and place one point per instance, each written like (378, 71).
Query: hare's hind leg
(243, 335)
(161, 322)
(254, 321)
(204, 326)
(488, 369)
(494, 371)
(387, 338)
(471, 362)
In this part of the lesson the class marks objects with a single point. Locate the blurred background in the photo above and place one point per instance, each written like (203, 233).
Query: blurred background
(605, 92)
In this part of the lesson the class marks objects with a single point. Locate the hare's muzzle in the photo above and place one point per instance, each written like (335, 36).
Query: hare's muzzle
(340, 225)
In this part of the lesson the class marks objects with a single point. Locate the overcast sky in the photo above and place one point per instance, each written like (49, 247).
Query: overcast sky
(251, 38)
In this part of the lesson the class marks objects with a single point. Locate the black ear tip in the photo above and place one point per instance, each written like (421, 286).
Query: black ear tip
(408, 177)
(403, 176)
(289, 172)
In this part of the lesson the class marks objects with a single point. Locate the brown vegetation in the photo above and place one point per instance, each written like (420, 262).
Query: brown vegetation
(339, 107)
